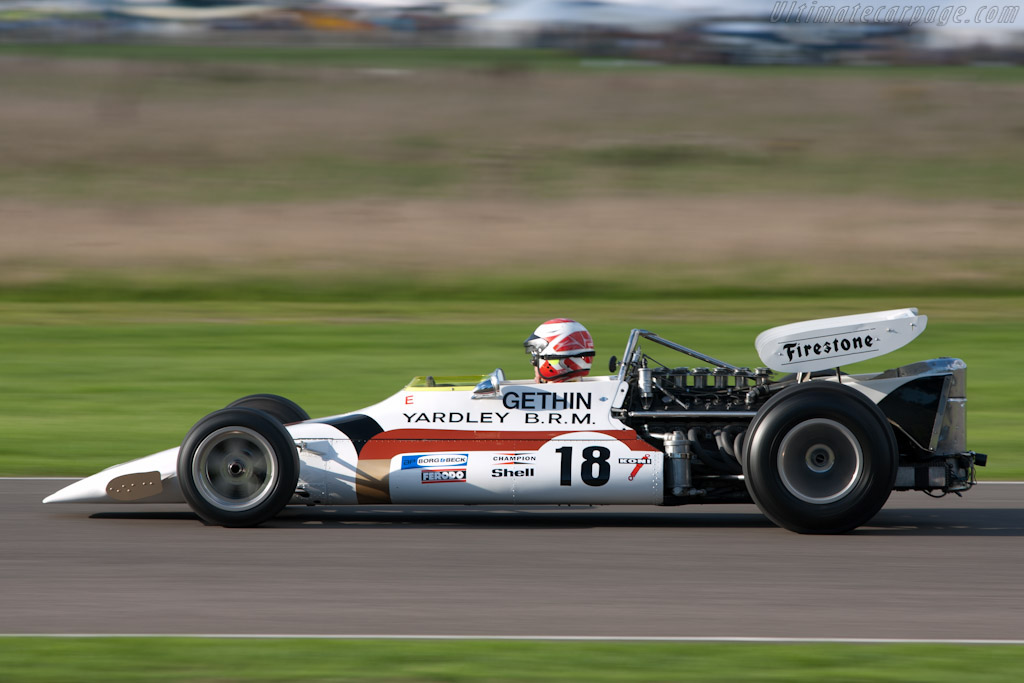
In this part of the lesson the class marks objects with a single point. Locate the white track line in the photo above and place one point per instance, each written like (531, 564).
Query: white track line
(631, 639)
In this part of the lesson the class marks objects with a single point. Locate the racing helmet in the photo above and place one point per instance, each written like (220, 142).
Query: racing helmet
(560, 349)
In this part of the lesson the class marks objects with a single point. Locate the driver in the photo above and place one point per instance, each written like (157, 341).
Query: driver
(560, 350)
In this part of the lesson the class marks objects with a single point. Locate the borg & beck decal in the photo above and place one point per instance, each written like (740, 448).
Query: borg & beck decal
(411, 462)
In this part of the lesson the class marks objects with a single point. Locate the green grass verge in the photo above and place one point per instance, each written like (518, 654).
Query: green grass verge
(87, 385)
(193, 659)
(470, 57)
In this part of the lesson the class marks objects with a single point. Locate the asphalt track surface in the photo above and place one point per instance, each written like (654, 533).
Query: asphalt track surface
(922, 569)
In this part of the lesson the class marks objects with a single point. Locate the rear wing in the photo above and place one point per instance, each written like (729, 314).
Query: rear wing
(830, 342)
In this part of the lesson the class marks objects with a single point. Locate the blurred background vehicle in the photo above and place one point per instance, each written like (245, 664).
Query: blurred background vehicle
(735, 31)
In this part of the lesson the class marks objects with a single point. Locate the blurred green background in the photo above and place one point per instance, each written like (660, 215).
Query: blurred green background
(402, 661)
(182, 227)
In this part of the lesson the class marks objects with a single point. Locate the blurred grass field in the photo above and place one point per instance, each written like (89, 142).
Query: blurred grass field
(192, 659)
(183, 226)
(88, 385)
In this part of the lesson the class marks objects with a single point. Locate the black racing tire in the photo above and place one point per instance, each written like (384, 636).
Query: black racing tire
(820, 458)
(238, 467)
(285, 410)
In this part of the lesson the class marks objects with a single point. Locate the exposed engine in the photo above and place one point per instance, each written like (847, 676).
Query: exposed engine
(699, 417)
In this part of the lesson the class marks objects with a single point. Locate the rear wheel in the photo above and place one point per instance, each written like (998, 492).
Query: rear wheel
(238, 467)
(820, 458)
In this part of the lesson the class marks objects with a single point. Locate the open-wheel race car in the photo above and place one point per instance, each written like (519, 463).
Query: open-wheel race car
(816, 449)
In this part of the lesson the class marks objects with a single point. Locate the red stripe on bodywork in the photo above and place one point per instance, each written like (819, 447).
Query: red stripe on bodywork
(386, 445)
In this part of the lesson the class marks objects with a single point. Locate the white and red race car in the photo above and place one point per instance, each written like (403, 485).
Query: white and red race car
(818, 450)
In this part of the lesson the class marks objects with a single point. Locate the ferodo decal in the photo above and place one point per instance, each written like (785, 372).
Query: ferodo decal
(451, 476)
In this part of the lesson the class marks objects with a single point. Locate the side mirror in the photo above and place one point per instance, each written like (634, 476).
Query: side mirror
(613, 364)
(490, 386)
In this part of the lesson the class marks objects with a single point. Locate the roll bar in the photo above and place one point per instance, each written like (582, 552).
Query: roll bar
(632, 356)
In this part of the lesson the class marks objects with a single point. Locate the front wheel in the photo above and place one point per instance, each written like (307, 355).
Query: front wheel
(820, 458)
(238, 467)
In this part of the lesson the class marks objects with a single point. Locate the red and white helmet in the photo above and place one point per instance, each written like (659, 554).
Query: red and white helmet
(560, 349)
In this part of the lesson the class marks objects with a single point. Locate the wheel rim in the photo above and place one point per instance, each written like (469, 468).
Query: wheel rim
(234, 469)
(820, 461)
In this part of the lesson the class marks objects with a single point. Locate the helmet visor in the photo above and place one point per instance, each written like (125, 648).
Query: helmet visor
(534, 344)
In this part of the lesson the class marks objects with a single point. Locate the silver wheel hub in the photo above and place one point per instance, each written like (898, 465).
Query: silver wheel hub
(234, 469)
(820, 461)
(820, 458)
